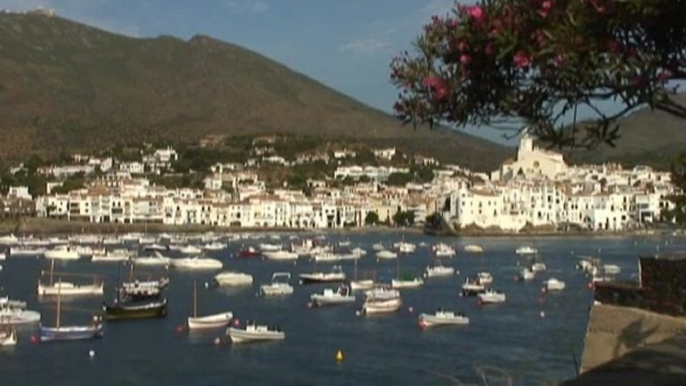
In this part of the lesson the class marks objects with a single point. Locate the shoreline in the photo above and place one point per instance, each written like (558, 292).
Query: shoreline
(43, 226)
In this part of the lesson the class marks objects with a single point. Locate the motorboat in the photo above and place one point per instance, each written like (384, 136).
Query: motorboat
(378, 247)
(553, 284)
(484, 278)
(254, 333)
(214, 246)
(13, 312)
(381, 293)
(334, 257)
(138, 290)
(330, 297)
(361, 285)
(145, 240)
(439, 271)
(270, 247)
(249, 252)
(407, 282)
(83, 250)
(473, 248)
(280, 255)
(404, 247)
(156, 247)
(114, 255)
(472, 287)
(23, 250)
(122, 310)
(196, 322)
(231, 278)
(526, 274)
(491, 296)
(381, 301)
(9, 239)
(62, 252)
(190, 250)
(155, 259)
(538, 267)
(196, 263)
(443, 318)
(526, 250)
(66, 288)
(386, 254)
(109, 241)
(443, 250)
(336, 275)
(279, 285)
(34, 242)
(8, 336)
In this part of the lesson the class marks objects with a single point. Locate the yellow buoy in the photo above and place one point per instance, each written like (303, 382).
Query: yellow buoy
(339, 356)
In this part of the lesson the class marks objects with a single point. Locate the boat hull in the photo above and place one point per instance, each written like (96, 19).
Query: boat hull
(18, 318)
(211, 321)
(360, 285)
(238, 335)
(268, 290)
(428, 320)
(322, 301)
(8, 338)
(308, 279)
(52, 334)
(407, 283)
(381, 306)
(83, 290)
(473, 291)
(145, 311)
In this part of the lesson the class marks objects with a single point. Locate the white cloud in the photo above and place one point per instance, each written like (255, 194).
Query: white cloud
(367, 46)
(247, 6)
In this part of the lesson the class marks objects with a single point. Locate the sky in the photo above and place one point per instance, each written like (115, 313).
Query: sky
(344, 44)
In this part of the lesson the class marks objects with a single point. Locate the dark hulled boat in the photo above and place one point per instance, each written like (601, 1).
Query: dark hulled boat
(335, 276)
(135, 310)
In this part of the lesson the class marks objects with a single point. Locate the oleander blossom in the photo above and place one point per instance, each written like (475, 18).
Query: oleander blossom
(475, 12)
(521, 59)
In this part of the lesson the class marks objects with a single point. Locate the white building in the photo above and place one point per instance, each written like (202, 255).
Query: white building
(531, 162)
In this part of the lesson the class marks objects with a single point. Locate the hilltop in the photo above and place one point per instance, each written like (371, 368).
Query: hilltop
(67, 87)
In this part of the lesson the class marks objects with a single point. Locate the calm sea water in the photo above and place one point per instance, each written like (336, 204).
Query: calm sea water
(510, 340)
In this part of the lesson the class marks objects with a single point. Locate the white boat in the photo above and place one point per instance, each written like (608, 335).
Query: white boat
(196, 262)
(472, 287)
(230, 278)
(484, 278)
(358, 251)
(360, 285)
(280, 255)
(3, 255)
(334, 257)
(404, 247)
(254, 333)
(407, 283)
(553, 284)
(196, 322)
(109, 241)
(526, 274)
(14, 312)
(381, 293)
(270, 247)
(491, 296)
(62, 252)
(443, 318)
(526, 250)
(70, 289)
(144, 240)
(378, 247)
(336, 275)
(8, 336)
(611, 269)
(472, 248)
(439, 271)
(279, 285)
(538, 267)
(385, 254)
(381, 301)
(83, 250)
(34, 242)
(190, 250)
(443, 250)
(215, 246)
(9, 239)
(114, 255)
(23, 250)
(155, 259)
(330, 297)
(156, 247)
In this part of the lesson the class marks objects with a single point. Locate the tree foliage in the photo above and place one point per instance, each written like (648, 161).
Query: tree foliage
(403, 218)
(678, 214)
(372, 218)
(534, 63)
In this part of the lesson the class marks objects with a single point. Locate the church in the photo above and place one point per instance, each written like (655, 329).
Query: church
(532, 162)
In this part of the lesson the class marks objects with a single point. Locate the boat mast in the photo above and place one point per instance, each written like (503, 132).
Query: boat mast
(195, 298)
(52, 271)
(355, 272)
(59, 302)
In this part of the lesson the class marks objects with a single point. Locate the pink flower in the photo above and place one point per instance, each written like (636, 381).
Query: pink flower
(465, 59)
(521, 59)
(546, 5)
(436, 86)
(463, 46)
(475, 12)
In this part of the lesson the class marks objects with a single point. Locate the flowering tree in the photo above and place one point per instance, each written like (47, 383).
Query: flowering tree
(516, 63)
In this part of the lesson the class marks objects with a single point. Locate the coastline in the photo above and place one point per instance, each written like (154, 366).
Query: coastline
(44, 226)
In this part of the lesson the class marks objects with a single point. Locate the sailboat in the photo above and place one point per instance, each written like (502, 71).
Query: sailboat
(68, 288)
(59, 332)
(360, 284)
(8, 336)
(196, 322)
(406, 281)
(133, 309)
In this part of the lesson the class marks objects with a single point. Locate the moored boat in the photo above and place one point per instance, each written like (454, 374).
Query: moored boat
(336, 275)
(190, 250)
(484, 278)
(473, 248)
(114, 255)
(155, 259)
(135, 310)
(472, 287)
(13, 312)
(526, 250)
(280, 255)
(231, 278)
(71, 289)
(279, 285)
(196, 322)
(249, 252)
(443, 318)
(196, 263)
(8, 336)
(526, 274)
(407, 282)
(538, 267)
(255, 333)
(554, 284)
(64, 333)
(439, 270)
(330, 297)
(491, 296)
(381, 300)
(385, 254)
(62, 252)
